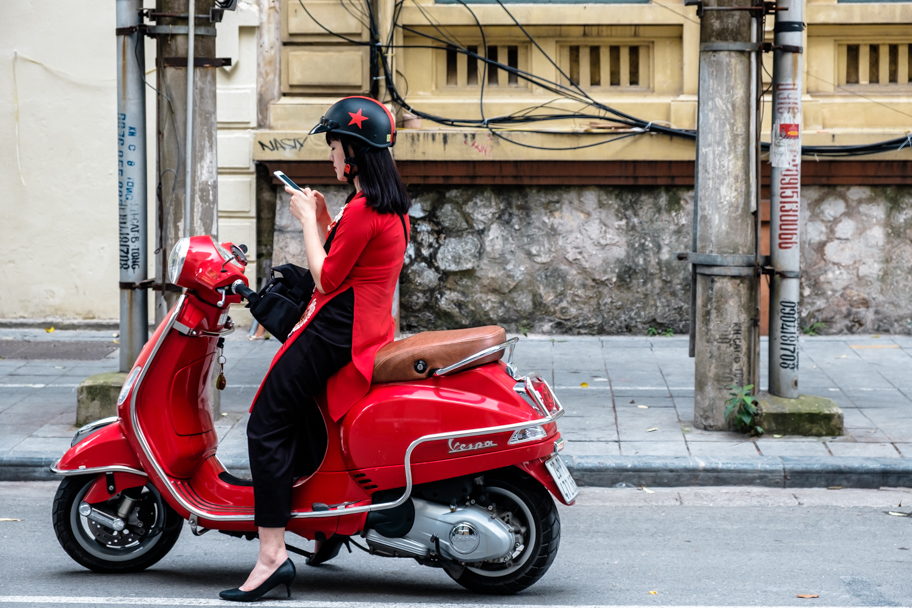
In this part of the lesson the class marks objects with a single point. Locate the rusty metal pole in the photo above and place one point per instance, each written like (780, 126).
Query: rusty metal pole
(131, 179)
(188, 166)
(785, 201)
(724, 261)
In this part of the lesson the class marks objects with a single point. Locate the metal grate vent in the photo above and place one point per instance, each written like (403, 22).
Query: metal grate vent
(51, 350)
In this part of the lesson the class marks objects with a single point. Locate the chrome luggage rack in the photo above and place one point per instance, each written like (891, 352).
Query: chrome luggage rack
(509, 346)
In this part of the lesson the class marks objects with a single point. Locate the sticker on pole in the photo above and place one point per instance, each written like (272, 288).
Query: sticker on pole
(786, 144)
(789, 131)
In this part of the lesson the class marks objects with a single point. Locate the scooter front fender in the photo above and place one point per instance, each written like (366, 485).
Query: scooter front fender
(105, 450)
(536, 468)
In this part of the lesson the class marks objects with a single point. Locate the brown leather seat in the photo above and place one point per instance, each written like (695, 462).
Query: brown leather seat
(417, 357)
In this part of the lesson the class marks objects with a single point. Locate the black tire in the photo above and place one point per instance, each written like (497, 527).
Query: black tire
(528, 498)
(101, 549)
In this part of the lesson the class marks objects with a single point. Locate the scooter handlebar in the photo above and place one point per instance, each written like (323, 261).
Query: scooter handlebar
(245, 292)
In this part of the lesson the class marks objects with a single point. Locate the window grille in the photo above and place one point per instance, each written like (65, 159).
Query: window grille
(608, 66)
(464, 71)
(880, 65)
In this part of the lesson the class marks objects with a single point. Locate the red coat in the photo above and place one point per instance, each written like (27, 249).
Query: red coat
(366, 254)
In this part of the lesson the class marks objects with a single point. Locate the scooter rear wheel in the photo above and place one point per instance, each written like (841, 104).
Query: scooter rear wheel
(152, 529)
(528, 505)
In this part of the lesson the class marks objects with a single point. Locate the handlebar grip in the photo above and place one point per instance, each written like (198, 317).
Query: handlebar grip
(246, 293)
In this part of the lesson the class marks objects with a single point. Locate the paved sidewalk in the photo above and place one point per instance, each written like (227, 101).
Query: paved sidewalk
(629, 403)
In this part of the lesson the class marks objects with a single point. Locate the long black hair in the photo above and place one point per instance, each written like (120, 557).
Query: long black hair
(378, 175)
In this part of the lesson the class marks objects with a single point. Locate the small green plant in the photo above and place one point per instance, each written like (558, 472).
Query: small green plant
(523, 328)
(667, 332)
(811, 330)
(742, 410)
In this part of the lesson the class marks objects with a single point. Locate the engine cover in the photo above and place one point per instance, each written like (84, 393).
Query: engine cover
(468, 534)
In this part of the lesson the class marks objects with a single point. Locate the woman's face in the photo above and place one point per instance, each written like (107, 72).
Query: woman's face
(337, 156)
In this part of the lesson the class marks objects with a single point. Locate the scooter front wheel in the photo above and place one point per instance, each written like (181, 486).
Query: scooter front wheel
(151, 529)
(522, 502)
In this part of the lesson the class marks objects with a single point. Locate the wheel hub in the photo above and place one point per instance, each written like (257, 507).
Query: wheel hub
(113, 538)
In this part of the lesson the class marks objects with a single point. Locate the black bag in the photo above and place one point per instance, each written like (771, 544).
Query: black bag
(281, 302)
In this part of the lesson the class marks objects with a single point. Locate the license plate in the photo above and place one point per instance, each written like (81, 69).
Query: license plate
(562, 477)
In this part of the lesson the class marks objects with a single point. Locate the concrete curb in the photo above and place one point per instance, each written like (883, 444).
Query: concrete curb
(656, 471)
(27, 468)
(766, 471)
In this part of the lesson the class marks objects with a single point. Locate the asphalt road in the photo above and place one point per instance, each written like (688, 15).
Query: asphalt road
(691, 546)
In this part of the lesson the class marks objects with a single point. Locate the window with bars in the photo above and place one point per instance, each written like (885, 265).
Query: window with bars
(875, 64)
(610, 66)
(464, 71)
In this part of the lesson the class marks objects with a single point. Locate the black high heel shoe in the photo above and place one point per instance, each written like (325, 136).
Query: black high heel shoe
(284, 575)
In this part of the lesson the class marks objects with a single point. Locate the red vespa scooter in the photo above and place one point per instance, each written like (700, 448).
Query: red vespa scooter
(449, 459)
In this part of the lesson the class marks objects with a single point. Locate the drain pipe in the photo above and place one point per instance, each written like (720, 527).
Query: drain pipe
(188, 154)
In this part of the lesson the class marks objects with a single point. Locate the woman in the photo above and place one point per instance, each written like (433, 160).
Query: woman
(355, 268)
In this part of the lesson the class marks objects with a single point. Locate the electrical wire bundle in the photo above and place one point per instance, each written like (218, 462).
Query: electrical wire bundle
(497, 126)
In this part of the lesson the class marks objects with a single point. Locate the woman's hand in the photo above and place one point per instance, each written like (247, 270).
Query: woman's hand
(323, 217)
(308, 207)
(321, 204)
(304, 203)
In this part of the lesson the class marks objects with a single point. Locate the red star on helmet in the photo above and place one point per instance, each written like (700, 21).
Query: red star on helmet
(357, 118)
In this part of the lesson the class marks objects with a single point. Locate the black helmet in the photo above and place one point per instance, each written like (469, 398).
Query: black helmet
(361, 118)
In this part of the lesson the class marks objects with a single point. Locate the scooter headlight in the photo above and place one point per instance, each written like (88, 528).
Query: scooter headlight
(177, 259)
(128, 385)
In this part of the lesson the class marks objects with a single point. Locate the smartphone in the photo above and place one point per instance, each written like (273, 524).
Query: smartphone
(287, 180)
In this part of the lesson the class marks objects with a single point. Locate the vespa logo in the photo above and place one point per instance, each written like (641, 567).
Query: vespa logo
(456, 447)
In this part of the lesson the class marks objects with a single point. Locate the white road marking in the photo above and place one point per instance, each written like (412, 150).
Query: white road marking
(38, 385)
(167, 601)
(626, 388)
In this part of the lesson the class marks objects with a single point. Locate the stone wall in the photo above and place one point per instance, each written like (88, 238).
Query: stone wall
(288, 244)
(856, 274)
(586, 260)
(562, 260)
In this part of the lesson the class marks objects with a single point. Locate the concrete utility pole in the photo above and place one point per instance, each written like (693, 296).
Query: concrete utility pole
(189, 177)
(785, 203)
(131, 179)
(725, 260)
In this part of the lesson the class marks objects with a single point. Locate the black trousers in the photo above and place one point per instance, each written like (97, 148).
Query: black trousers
(286, 435)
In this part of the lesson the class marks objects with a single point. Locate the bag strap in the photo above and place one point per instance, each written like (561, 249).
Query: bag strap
(404, 231)
(293, 276)
(329, 237)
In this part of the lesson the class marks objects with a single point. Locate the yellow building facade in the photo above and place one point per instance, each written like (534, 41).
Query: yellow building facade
(641, 59)
(572, 225)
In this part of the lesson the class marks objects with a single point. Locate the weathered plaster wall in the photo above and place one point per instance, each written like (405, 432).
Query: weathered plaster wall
(602, 260)
(58, 160)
